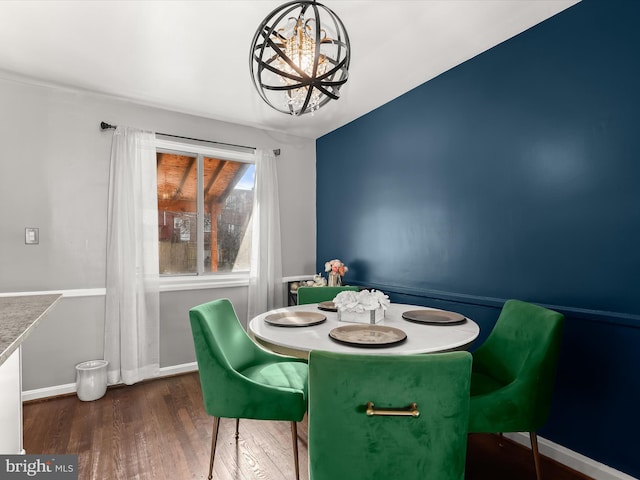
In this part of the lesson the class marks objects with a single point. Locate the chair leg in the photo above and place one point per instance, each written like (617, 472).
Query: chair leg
(536, 454)
(237, 428)
(294, 437)
(214, 439)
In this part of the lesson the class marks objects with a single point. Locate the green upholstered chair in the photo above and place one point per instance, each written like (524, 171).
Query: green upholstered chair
(514, 372)
(321, 294)
(346, 443)
(240, 379)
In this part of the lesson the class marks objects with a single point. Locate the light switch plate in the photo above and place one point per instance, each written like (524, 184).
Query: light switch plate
(31, 236)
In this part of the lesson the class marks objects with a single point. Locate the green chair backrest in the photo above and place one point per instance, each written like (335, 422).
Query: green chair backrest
(223, 351)
(346, 443)
(321, 294)
(520, 353)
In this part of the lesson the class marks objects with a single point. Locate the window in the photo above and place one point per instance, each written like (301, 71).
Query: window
(205, 202)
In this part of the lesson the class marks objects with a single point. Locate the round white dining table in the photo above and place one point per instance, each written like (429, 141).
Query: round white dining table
(421, 337)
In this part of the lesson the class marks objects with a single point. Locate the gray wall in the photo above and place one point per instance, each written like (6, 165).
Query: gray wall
(54, 175)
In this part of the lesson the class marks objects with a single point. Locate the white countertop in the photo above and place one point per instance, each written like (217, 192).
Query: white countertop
(421, 338)
(19, 315)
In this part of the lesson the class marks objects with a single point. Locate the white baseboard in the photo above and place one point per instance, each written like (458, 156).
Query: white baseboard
(571, 459)
(68, 388)
(177, 369)
(46, 392)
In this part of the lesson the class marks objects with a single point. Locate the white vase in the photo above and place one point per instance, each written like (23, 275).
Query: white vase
(334, 280)
(368, 316)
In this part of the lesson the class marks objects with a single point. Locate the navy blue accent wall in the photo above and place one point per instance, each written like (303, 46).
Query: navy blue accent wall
(513, 175)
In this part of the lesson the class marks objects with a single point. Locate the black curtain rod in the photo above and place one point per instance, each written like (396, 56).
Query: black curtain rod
(106, 126)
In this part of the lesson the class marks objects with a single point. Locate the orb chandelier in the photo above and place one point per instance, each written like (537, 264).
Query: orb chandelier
(300, 57)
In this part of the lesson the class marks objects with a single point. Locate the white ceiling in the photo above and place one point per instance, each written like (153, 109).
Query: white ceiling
(193, 56)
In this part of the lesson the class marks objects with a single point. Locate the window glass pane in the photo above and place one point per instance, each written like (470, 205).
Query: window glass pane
(177, 207)
(228, 202)
(226, 196)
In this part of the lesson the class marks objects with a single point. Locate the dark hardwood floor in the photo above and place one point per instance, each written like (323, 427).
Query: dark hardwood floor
(159, 430)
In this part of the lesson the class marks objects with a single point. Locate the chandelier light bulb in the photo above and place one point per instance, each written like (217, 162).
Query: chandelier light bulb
(300, 57)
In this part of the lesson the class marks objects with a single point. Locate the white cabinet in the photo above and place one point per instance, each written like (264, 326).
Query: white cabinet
(19, 315)
(11, 405)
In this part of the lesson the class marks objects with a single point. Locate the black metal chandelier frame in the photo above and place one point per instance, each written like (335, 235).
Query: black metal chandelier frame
(268, 40)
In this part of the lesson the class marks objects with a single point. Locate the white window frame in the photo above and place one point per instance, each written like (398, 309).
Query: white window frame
(203, 280)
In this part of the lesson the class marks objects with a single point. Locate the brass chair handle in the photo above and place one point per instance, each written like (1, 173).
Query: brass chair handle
(410, 411)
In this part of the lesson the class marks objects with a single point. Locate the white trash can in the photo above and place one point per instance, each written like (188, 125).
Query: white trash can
(91, 380)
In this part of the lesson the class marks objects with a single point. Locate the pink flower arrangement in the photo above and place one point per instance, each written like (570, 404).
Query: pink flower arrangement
(335, 266)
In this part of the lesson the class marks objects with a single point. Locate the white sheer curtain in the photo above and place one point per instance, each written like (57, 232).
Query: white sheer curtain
(265, 279)
(131, 343)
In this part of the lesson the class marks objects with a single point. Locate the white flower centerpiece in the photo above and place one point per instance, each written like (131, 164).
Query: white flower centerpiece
(361, 307)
